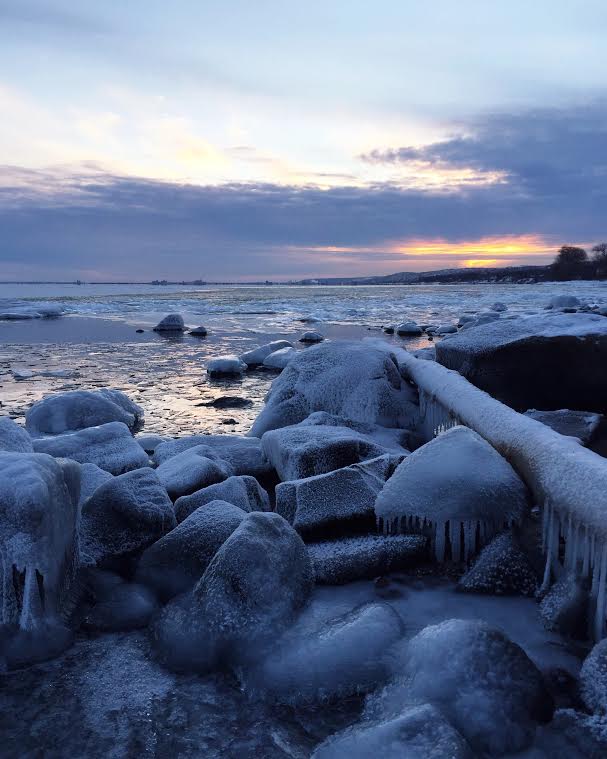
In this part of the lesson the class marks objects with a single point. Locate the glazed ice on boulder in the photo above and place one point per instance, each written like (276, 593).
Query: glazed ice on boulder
(458, 490)
(78, 409)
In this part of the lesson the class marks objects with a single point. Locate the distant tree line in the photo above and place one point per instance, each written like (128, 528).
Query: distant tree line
(572, 262)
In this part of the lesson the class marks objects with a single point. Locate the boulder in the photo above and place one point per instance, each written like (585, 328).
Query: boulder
(149, 443)
(446, 329)
(458, 490)
(501, 568)
(393, 439)
(13, 437)
(242, 491)
(243, 454)
(226, 366)
(306, 450)
(279, 359)
(499, 307)
(311, 337)
(358, 380)
(170, 323)
(586, 426)
(408, 329)
(419, 732)
(252, 589)
(178, 560)
(551, 361)
(337, 562)
(198, 332)
(191, 470)
(593, 679)
(483, 683)
(124, 516)
(258, 355)
(565, 607)
(110, 446)
(38, 537)
(564, 301)
(91, 477)
(342, 499)
(127, 606)
(79, 409)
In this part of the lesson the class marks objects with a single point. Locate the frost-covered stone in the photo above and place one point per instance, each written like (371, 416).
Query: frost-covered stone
(565, 607)
(499, 307)
(358, 380)
(337, 562)
(311, 337)
(458, 489)
(258, 355)
(420, 732)
(564, 301)
(344, 657)
(178, 560)
(393, 439)
(593, 679)
(127, 606)
(124, 516)
(306, 450)
(487, 317)
(226, 366)
(13, 437)
(243, 454)
(552, 361)
(255, 584)
(408, 329)
(199, 331)
(38, 539)
(110, 446)
(318, 505)
(242, 491)
(191, 470)
(482, 682)
(279, 359)
(584, 425)
(149, 443)
(500, 569)
(171, 323)
(91, 477)
(78, 409)
(446, 329)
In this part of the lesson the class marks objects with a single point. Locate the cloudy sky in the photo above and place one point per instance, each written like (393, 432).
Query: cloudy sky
(274, 139)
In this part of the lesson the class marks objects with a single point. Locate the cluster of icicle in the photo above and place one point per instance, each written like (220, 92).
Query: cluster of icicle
(434, 417)
(582, 554)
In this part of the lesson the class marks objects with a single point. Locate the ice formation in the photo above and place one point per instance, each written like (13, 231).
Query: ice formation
(244, 454)
(38, 535)
(311, 337)
(226, 366)
(78, 409)
(110, 446)
(170, 323)
(243, 491)
(178, 560)
(13, 437)
(458, 490)
(191, 470)
(258, 355)
(360, 381)
(279, 359)
(345, 656)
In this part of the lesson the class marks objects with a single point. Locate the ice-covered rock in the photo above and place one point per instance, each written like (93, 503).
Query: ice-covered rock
(242, 491)
(446, 329)
(127, 606)
(110, 446)
(499, 307)
(38, 536)
(564, 301)
(226, 366)
(501, 568)
(408, 329)
(149, 443)
(198, 331)
(487, 317)
(342, 499)
(566, 607)
(178, 560)
(360, 381)
(344, 657)
(593, 679)
(191, 470)
(481, 681)
(584, 425)
(255, 584)
(258, 355)
(311, 337)
(458, 490)
(306, 450)
(78, 409)
(13, 437)
(393, 439)
(91, 477)
(427, 354)
(550, 361)
(124, 516)
(337, 562)
(279, 359)
(171, 323)
(465, 319)
(419, 732)
(243, 454)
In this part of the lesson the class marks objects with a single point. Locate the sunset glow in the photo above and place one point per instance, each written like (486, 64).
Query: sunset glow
(493, 248)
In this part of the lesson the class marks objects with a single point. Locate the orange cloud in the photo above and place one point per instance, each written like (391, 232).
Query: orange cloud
(491, 249)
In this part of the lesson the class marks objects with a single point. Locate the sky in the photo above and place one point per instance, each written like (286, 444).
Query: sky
(282, 140)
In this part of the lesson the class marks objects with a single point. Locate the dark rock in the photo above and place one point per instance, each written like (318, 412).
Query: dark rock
(228, 401)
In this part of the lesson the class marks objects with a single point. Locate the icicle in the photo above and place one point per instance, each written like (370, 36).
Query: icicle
(439, 542)
(586, 559)
(599, 619)
(469, 539)
(576, 547)
(455, 533)
(552, 548)
(31, 609)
